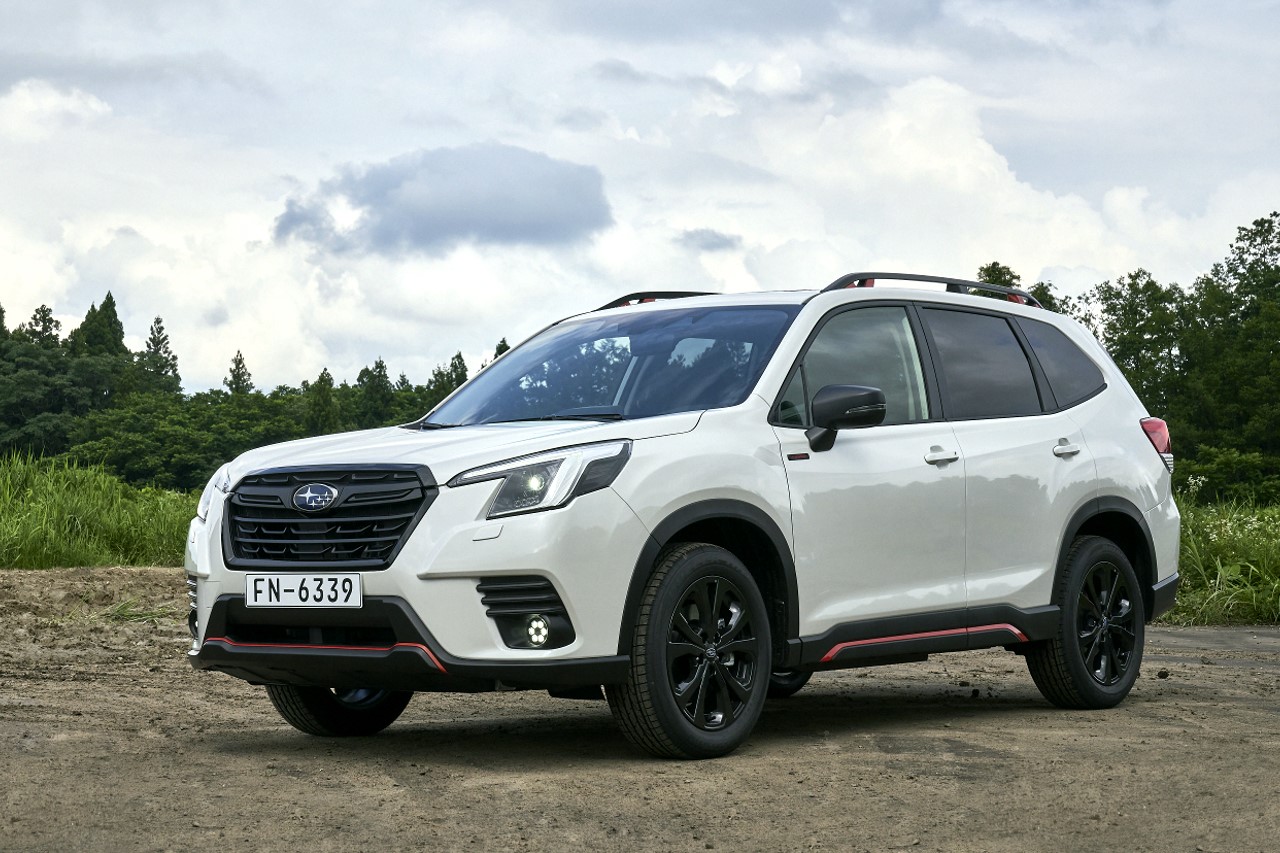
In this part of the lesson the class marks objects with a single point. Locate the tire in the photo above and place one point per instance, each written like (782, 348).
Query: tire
(788, 683)
(1094, 659)
(338, 712)
(696, 686)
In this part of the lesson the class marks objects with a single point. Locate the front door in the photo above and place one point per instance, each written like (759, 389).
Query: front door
(879, 519)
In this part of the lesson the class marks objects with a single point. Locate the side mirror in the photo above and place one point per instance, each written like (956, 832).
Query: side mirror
(837, 407)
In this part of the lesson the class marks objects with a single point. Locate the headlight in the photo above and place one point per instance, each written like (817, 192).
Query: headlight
(220, 483)
(549, 480)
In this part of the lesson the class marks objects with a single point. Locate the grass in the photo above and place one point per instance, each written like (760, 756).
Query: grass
(1230, 564)
(57, 513)
(134, 610)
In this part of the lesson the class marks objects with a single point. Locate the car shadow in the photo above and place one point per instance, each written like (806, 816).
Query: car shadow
(584, 733)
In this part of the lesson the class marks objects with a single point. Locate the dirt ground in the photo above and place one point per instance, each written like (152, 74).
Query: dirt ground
(111, 742)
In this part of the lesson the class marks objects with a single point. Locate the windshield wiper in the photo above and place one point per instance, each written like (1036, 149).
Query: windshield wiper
(430, 425)
(567, 416)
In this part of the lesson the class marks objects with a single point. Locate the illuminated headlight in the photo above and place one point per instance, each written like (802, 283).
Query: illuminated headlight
(549, 480)
(219, 484)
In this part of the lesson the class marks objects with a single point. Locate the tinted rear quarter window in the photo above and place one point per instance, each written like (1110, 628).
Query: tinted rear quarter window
(985, 371)
(1072, 375)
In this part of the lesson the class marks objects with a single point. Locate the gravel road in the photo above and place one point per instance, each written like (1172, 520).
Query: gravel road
(111, 742)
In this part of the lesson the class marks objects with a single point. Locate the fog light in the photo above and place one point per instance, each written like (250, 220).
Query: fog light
(538, 629)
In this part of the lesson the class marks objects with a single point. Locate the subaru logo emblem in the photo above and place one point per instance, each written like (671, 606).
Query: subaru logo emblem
(314, 497)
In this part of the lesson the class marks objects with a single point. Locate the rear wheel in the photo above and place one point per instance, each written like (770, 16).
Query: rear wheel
(338, 712)
(1094, 660)
(784, 684)
(699, 658)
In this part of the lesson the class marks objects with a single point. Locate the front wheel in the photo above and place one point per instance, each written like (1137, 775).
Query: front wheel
(1093, 661)
(338, 712)
(700, 657)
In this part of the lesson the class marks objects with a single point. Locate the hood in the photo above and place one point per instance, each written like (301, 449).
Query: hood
(452, 450)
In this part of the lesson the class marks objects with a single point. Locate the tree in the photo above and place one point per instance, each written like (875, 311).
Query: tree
(444, 379)
(239, 381)
(502, 347)
(42, 329)
(1138, 321)
(320, 409)
(157, 366)
(100, 333)
(1230, 348)
(4, 330)
(376, 397)
(1051, 300)
(997, 273)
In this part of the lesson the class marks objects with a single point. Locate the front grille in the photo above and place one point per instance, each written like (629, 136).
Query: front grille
(362, 528)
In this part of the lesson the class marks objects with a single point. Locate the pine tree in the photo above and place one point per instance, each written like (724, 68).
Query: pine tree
(100, 333)
(42, 329)
(157, 364)
(239, 381)
(376, 397)
(4, 331)
(321, 415)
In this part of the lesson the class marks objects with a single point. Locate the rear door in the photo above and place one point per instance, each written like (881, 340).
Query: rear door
(1027, 465)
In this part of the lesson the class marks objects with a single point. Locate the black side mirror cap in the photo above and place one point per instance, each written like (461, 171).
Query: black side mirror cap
(837, 407)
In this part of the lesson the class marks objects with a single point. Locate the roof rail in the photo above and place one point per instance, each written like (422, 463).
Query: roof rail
(650, 296)
(954, 285)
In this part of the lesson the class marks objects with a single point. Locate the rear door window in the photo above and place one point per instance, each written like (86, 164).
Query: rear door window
(983, 368)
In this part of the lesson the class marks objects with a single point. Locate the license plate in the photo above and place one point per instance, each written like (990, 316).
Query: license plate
(298, 590)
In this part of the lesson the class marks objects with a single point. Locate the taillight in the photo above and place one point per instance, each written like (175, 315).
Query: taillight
(1158, 432)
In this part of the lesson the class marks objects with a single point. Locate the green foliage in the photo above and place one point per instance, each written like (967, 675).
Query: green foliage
(1138, 321)
(156, 367)
(239, 380)
(1230, 564)
(56, 513)
(1225, 474)
(321, 408)
(376, 398)
(997, 273)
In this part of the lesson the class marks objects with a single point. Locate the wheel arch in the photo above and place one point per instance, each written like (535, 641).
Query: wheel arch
(749, 534)
(1121, 522)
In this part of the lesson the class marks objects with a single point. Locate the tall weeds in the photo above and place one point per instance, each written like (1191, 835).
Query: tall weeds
(1230, 564)
(57, 513)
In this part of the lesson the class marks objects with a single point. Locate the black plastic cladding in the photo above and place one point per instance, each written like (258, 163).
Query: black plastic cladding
(377, 509)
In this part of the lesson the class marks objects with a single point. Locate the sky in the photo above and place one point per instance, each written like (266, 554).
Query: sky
(322, 185)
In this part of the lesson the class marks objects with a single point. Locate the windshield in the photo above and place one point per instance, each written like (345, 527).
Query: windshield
(633, 366)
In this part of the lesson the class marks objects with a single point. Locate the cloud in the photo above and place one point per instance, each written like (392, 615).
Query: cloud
(32, 109)
(709, 240)
(430, 201)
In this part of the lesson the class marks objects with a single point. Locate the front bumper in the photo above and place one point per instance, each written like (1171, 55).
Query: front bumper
(383, 645)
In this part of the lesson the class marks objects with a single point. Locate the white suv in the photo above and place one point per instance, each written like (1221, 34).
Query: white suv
(696, 501)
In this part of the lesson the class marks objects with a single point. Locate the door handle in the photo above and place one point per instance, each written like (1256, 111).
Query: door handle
(1064, 450)
(938, 456)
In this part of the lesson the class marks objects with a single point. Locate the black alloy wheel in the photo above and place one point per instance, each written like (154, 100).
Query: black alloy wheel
(712, 653)
(1094, 660)
(700, 657)
(1105, 623)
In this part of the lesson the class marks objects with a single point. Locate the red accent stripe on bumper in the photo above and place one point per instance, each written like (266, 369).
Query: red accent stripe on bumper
(419, 646)
(950, 632)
